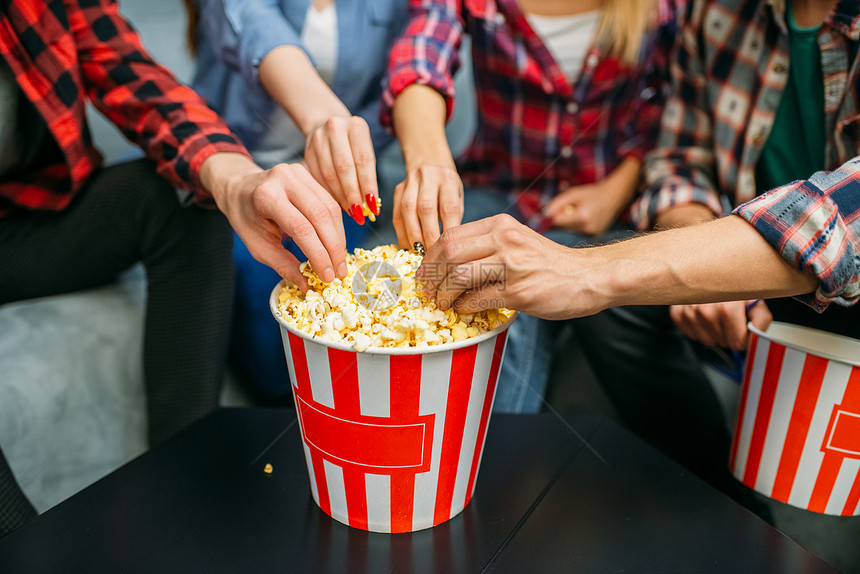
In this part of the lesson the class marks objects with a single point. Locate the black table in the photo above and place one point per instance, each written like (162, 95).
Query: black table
(545, 501)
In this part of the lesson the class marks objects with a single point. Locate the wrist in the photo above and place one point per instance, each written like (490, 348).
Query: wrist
(221, 172)
(621, 275)
(428, 155)
(317, 116)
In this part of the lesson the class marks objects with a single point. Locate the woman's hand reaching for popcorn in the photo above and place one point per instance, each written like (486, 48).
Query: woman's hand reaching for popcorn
(263, 205)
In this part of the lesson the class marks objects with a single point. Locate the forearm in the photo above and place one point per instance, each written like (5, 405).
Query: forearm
(623, 181)
(419, 116)
(291, 80)
(723, 260)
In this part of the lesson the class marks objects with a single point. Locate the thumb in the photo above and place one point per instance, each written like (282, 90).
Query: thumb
(760, 316)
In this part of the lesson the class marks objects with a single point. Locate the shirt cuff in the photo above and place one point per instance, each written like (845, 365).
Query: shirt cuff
(402, 79)
(804, 225)
(186, 171)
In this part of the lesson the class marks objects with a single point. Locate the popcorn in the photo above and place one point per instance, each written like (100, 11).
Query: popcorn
(365, 209)
(379, 304)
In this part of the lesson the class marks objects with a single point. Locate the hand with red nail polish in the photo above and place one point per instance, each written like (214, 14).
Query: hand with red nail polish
(372, 203)
(339, 151)
(357, 213)
(339, 154)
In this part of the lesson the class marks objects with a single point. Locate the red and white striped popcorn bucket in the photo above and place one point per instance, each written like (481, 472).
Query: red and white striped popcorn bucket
(797, 435)
(393, 437)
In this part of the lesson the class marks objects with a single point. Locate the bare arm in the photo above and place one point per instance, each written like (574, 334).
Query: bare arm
(723, 260)
(338, 148)
(718, 261)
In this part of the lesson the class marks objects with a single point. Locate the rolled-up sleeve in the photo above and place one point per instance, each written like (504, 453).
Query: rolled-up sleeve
(681, 169)
(242, 32)
(427, 53)
(815, 226)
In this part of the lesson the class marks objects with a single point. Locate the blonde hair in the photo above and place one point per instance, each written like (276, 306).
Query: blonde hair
(622, 26)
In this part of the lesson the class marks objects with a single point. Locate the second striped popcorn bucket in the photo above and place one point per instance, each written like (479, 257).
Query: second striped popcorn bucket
(797, 435)
(393, 437)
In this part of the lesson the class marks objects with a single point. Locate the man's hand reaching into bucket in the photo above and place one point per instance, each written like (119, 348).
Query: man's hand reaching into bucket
(501, 262)
(498, 262)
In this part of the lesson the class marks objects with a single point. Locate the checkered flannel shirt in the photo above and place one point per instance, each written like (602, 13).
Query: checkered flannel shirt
(63, 52)
(536, 131)
(728, 75)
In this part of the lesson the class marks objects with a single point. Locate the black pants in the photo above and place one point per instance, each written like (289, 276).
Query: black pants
(129, 214)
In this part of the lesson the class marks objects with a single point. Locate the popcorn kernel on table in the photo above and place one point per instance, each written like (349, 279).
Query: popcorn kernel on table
(404, 319)
(268, 468)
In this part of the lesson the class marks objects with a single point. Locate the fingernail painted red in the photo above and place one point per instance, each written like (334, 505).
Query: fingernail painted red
(357, 214)
(371, 203)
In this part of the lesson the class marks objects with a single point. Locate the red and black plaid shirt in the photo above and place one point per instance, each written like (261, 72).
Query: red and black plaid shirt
(63, 52)
(537, 132)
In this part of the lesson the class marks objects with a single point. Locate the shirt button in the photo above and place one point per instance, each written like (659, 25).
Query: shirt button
(779, 68)
(591, 61)
(566, 151)
(759, 139)
(499, 18)
(572, 107)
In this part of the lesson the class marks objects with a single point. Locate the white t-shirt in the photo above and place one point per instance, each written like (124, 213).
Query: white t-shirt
(283, 141)
(567, 38)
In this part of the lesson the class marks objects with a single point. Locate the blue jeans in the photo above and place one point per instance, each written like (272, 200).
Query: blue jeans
(525, 370)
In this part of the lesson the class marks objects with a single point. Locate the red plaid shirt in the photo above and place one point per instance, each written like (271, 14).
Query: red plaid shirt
(536, 131)
(64, 51)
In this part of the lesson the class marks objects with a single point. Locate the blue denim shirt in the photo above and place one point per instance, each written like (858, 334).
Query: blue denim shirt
(235, 35)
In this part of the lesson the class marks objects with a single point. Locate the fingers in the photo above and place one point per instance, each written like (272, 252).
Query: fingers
(735, 328)
(282, 261)
(760, 316)
(428, 213)
(429, 195)
(408, 208)
(398, 216)
(365, 164)
(340, 155)
(470, 258)
(469, 281)
(450, 203)
(714, 324)
(566, 216)
(489, 296)
(558, 203)
(465, 243)
(307, 213)
(695, 322)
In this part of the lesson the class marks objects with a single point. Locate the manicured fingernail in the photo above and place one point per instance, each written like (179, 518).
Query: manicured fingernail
(342, 270)
(328, 275)
(357, 213)
(371, 203)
